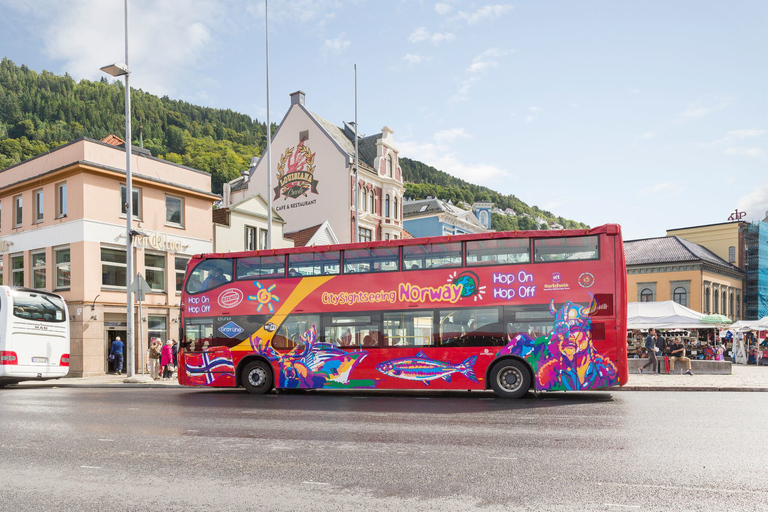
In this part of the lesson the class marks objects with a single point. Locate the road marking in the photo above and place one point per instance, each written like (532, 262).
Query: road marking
(91, 467)
(108, 440)
(504, 458)
(315, 483)
(686, 488)
(423, 398)
(619, 505)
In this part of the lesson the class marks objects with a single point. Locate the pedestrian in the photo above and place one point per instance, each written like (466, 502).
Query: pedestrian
(116, 354)
(650, 344)
(155, 349)
(166, 360)
(175, 349)
(677, 351)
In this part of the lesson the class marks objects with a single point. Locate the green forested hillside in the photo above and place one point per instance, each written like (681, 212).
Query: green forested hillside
(40, 111)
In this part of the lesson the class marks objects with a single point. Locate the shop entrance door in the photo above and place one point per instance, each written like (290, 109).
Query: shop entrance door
(111, 335)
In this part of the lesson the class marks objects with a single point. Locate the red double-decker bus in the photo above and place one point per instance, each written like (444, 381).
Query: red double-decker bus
(507, 311)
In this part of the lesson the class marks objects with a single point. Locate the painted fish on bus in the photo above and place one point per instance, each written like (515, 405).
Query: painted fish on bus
(311, 364)
(424, 369)
(213, 367)
(566, 359)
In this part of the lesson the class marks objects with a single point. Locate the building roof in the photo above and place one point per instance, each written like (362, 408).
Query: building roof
(113, 140)
(670, 249)
(303, 236)
(431, 206)
(345, 138)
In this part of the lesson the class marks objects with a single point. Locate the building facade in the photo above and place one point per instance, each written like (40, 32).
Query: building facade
(313, 179)
(671, 268)
(242, 226)
(63, 229)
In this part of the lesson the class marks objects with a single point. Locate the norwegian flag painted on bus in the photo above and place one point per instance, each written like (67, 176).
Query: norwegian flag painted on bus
(214, 367)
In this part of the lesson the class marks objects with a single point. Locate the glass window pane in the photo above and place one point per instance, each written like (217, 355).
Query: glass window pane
(62, 256)
(112, 255)
(566, 249)
(173, 209)
(154, 260)
(314, 264)
(17, 262)
(432, 255)
(38, 259)
(498, 252)
(112, 275)
(475, 327)
(38, 306)
(407, 328)
(209, 274)
(289, 334)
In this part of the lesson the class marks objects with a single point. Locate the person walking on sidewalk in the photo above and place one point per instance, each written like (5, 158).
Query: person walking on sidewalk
(116, 351)
(677, 353)
(650, 344)
(154, 358)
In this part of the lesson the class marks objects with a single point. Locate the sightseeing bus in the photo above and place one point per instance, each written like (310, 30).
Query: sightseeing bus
(34, 335)
(506, 311)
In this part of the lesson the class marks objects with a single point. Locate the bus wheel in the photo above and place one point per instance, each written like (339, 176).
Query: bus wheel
(257, 377)
(510, 379)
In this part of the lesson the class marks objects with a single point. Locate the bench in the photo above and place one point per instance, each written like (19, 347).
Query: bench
(697, 366)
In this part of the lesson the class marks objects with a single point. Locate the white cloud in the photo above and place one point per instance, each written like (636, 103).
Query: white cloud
(697, 110)
(414, 59)
(634, 91)
(442, 9)
(755, 203)
(484, 13)
(666, 189)
(533, 112)
(452, 134)
(337, 45)
(422, 34)
(483, 62)
(751, 152)
(732, 143)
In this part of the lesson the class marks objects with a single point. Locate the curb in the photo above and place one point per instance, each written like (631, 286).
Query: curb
(692, 388)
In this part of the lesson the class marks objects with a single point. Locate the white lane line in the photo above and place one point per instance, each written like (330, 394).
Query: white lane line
(687, 488)
(316, 483)
(504, 458)
(620, 505)
(107, 440)
(423, 398)
(91, 467)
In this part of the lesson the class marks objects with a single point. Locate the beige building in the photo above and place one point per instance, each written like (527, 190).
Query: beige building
(726, 240)
(671, 268)
(63, 229)
(313, 178)
(242, 226)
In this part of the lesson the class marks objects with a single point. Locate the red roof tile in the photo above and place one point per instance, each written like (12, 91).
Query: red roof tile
(113, 140)
(302, 237)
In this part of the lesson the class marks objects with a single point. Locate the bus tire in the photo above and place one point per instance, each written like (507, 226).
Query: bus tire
(510, 379)
(257, 377)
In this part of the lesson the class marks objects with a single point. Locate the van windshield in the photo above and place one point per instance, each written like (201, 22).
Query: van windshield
(38, 306)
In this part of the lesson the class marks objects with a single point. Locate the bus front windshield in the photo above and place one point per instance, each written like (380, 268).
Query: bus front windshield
(38, 306)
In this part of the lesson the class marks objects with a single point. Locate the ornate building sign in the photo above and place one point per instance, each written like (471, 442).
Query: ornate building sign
(295, 173)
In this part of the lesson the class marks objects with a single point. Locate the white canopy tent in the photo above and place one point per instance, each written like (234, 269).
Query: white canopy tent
(760, 325)
(663, 315)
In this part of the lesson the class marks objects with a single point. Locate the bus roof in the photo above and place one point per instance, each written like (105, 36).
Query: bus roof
(609, 229)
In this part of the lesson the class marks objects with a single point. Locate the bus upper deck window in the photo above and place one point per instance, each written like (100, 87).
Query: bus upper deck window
(209, 274)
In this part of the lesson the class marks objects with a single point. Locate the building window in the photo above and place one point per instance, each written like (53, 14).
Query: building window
(181, 269)
(373, 202)
(725, 304)
(136, 210)
(396, 210)
(386, 205)
(646, 295)
(365, 235)
(707, 309)
(38, 195)
(61, 200)
(363, 200)
(154, 270)
(174, 210)
(17, 270)
(303, 135)
(17, 213)
(113, 267)
(716, 305)
(63, 268)
(38, 270)
(732, 254)
(738, 304)
(730, 306)
(250, 238)
(389, 166)
(157, 327)
(680, 295)
(2, 267)
(262, 238)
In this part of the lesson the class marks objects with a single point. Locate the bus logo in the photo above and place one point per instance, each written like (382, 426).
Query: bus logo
(230, 298)
(230, 329)
(586, 280)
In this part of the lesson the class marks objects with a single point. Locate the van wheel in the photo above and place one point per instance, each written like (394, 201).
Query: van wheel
(510, 379)
(257, 377)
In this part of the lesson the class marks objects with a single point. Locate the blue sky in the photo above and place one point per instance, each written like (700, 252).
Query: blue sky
(652, 114)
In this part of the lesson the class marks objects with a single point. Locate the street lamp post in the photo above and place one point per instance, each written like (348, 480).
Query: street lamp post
(118, 70)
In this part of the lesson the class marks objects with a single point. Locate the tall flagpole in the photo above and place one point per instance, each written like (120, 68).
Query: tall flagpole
(269, 139)
(357, 192)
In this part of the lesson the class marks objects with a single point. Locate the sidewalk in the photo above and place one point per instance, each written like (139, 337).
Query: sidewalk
(743, 378)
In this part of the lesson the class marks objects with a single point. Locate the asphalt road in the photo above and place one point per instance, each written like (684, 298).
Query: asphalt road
(191, 449)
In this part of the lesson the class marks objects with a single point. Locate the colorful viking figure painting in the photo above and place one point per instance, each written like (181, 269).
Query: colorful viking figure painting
(565, 359)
